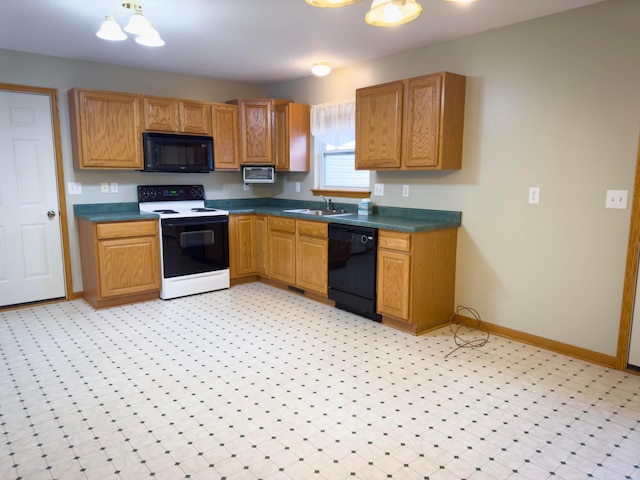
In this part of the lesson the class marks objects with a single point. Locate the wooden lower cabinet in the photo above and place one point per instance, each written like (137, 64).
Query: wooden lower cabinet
(416, 278)
(262, 244)
(120, 261)
(242, 241)
(282, 249)
(312, 247)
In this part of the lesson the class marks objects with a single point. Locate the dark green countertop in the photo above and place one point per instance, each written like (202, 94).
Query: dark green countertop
(389, 218)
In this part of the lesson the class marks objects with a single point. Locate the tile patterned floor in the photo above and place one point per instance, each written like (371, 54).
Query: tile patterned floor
(259, 383)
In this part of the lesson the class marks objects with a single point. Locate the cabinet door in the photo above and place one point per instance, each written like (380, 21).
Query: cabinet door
(244, 245)
(282, 256)
(262, 244)
(195, 117)
(292, 137)
(421, 123)
(394, 274)
(312, 261)
(225, 137)
(106, 130)
(128, 266)
(255, 132)
(379, 126)
(161, 114)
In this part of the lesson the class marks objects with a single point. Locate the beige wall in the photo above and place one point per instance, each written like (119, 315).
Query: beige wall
(553, 103)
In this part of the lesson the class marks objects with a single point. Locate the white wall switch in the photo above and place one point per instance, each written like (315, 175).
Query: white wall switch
(405, 190)
(74, 188)
(378, 189)
(114, 187)
(104, 187)
(534, 195)
(298, 187)
(617, 199)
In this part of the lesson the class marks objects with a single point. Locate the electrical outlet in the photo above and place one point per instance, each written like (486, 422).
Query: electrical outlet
(617, 199)
(405, 190)
(74, 188)
(298, 187)
(104, 187)
(534, 195)
(246, 187)
(378, 189)
(114, 187)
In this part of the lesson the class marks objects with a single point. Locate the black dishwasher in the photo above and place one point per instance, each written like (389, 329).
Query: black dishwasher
(352, 269)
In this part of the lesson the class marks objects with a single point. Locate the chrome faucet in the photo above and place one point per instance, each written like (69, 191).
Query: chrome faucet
(328, 201)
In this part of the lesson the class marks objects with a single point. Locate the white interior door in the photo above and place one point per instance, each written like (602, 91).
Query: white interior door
(31, 256)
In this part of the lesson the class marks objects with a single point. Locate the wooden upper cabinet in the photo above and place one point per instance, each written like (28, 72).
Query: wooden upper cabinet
(255, 131)
(379, 126)
(415, 123)
(195, 117)
(225, 136)
(105, 129)
(161, 114)
(174, 115)
(292, 133)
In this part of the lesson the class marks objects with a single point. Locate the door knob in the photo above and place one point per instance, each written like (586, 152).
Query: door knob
(51, 214)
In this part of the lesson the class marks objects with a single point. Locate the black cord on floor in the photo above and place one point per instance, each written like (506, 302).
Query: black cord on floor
(458, 327)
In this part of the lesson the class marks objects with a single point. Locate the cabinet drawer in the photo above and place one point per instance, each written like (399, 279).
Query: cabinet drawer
(395, 241)
(312, 229)
(126, 229)
(282, 224)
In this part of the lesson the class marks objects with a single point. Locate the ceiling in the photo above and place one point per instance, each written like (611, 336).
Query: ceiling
(259, 42)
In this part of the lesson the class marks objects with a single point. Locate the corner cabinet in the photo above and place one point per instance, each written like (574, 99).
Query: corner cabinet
(292, 136)
(105, 130)
(274, 132)
(416, 278)
(120, 261)
(412, 124)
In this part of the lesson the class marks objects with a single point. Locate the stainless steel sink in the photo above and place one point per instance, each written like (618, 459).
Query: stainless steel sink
(319, 212)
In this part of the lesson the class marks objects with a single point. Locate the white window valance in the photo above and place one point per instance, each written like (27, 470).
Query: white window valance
(334, 123)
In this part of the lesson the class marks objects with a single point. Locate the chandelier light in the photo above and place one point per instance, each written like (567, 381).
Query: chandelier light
(321, 69)
(138, 25)
(331, 3)
(389, 13)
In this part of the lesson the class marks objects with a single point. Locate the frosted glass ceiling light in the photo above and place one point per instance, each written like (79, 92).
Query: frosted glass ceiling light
(321, 69)
(138, 23)
(388, 13)
(331, 3)
(150, 38)
(110, 30)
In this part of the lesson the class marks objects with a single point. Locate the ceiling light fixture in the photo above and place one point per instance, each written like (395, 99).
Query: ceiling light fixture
(331, 3)
(389, 13)
(321, 69)
(138, 25)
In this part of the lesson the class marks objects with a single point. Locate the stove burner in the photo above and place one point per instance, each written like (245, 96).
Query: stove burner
(164, 211)
(203, 209)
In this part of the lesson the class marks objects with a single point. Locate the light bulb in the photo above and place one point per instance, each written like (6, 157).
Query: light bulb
(110, 30)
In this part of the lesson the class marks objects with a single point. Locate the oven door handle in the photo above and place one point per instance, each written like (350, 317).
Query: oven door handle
(178, 222)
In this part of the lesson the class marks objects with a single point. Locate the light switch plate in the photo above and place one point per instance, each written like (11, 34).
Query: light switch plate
(405, 190)
(114, 187)
(617, 199)
(378, 189)
(74, 188)
(104, 187)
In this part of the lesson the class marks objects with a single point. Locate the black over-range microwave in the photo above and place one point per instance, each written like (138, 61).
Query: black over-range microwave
(167, 152)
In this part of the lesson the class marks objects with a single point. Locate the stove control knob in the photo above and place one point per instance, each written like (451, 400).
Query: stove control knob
(197, 191)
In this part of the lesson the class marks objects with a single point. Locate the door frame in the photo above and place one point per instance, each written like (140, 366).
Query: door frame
(630, 276)
(62, 202)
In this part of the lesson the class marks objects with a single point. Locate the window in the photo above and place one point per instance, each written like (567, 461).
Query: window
(337, 169)
(333, 128)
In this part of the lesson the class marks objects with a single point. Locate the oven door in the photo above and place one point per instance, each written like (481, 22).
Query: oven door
(194, 245)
